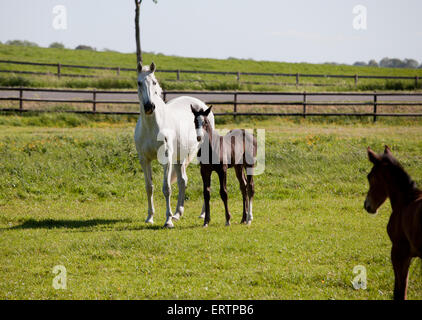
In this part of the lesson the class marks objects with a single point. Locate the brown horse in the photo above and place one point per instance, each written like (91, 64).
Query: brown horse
(388, 179)
(217, 153)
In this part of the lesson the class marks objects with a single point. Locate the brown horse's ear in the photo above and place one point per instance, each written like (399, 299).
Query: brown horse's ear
(207, 112)
(152, 67)
(387, 150)
(373, 157)
(139, 67)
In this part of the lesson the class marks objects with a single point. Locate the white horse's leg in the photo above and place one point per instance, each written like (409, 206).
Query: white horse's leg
(167, 193)
(146, 167)
(182, 180)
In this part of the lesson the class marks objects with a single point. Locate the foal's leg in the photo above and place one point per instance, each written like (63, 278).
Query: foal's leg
(202, 215)
(222, 175)
(146, 168)
(206, 180)
(401, 259)
(242, 183)
(251, 192)
(182, 180)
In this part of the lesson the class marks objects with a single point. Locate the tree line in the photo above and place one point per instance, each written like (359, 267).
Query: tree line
(390, 63)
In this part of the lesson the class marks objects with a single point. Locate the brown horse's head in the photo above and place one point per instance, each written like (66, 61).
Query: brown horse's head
(199, 117)
(378, 192)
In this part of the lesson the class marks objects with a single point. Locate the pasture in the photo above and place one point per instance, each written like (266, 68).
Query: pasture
(108, 79)
(72, 194)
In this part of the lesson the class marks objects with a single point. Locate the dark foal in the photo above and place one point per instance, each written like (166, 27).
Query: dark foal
(218, 153)
(388, 179)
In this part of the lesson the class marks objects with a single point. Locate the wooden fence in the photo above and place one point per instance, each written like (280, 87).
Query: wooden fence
(238, 75)
(233, 98)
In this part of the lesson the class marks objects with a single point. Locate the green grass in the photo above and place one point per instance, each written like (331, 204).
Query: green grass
(72, 194)
(203, 82)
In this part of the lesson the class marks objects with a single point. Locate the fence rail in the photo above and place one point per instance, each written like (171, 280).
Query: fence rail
(178, 73)
(233, 98)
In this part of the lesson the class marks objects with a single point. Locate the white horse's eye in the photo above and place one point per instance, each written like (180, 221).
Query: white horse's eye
(140, 83)
(154, 83)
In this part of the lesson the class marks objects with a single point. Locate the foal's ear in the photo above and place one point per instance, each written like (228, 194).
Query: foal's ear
(387, 150)
(207, 112)
(193, 110)
(152, 67)
(373, 157)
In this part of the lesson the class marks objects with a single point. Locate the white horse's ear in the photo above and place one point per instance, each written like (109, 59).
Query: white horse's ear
(152, 67)
(139, 67)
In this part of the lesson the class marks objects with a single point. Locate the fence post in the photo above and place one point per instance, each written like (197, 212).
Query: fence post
(94, 100)
(178, 75)
(235, 105)
(356, 80)
(375, 106)
(416, 82)
(304, 104)
(118, 71)
(20, 98)
(297, 79)
(59, 67)
(238, 77)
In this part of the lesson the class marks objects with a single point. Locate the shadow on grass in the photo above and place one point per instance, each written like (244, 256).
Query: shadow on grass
(69, 224)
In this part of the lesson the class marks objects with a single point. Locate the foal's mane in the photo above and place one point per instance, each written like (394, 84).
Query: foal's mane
(403, 179)
(208, 127)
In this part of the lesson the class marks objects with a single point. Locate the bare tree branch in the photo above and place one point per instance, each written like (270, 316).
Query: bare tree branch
(137, 35)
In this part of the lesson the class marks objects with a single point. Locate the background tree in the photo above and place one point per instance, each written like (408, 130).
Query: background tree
(137, 33)
(373, 63)
(56, 45)
(84, 47)
(24, 43)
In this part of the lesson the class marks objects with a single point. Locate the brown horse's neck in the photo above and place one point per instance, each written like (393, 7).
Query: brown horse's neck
(209, 130)
(401, 188)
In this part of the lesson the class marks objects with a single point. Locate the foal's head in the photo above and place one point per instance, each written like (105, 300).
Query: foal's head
(148, 88)
(200, 119)
(386, 174)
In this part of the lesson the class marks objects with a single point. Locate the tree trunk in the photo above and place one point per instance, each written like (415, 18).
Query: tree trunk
(137, 34)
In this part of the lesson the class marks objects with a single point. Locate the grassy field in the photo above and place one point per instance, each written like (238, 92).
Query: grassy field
(201, 82)
(72, 194)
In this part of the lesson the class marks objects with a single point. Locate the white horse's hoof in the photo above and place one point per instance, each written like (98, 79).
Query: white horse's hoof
(176, 217)
(249, 223)
(202, 216)
(227, 223)
(205, 225)
(169, 225)
(149, 220)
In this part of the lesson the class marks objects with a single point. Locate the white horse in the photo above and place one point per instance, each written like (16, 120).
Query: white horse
(165, 131)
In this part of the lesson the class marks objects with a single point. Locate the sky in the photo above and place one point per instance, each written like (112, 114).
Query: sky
(273, 30)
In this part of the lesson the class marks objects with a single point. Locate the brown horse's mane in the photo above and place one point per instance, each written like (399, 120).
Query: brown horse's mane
(403, 179)
(208, 127)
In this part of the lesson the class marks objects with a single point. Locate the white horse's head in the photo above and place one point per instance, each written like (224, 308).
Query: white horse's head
(149, 91)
